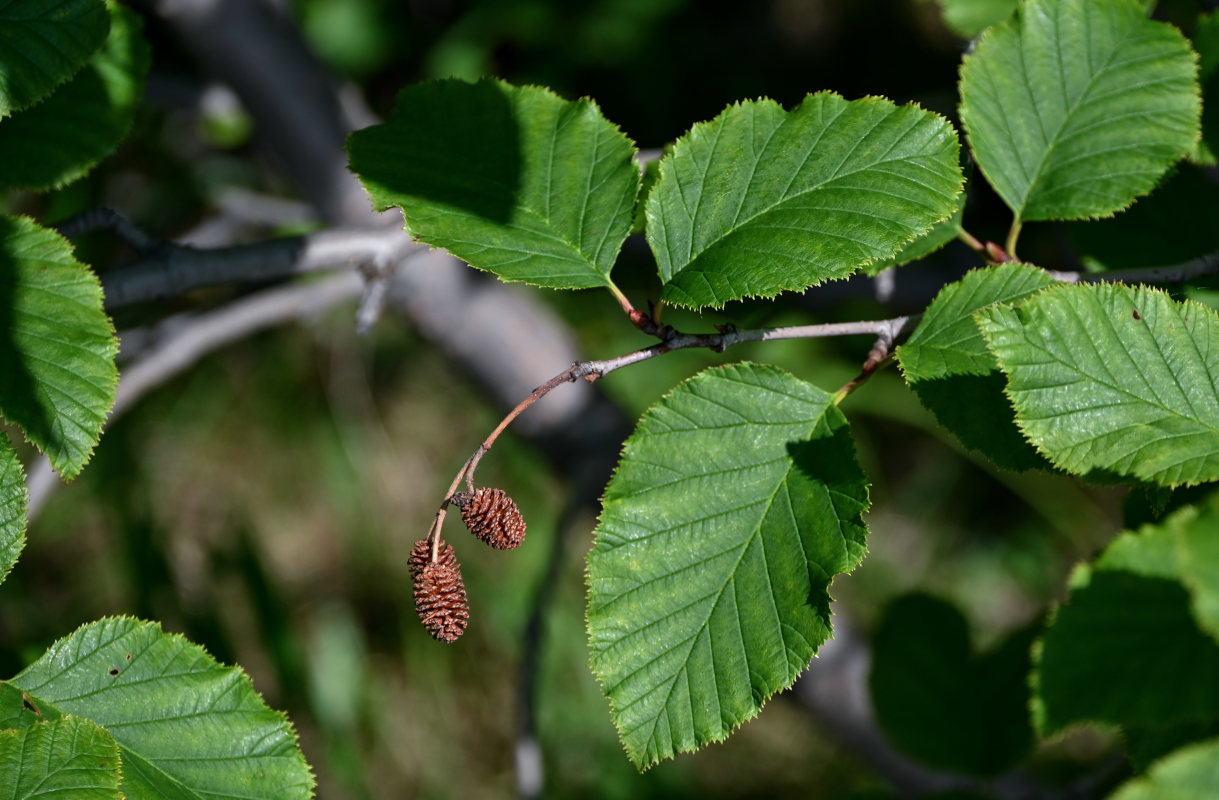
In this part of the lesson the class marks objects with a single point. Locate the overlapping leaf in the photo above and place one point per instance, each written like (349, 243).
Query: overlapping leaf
(1073, 108)
(42, 44)
(939, 701)
(186, 726)
(760, 200)
(57, 345)
(1125, 648)
(968, 18)
(68, 757)
(1196, 531)
(1191, 773)
(946, 361)
(1205, 38)
(13, 498)
(1117, 379)
(514, 180)
(736, 501)
(62, 137)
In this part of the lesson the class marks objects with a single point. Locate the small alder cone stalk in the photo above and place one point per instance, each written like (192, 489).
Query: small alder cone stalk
(440, 599)
(421, 556)
(491, 515)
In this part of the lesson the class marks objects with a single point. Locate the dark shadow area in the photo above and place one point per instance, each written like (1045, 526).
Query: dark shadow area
(826, 464)
(21, 403)
(1210, 111)
(975, 410)
(449, 142)
(1149, 503)
(941, 702)
(1126, 650)
(1176, 223)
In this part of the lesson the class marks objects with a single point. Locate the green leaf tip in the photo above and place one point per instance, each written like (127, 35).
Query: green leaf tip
(1108, 379)
(1074, 108)
(186, 726)
(57, 346)
(760, 200)
(514, 180)
(736, 501)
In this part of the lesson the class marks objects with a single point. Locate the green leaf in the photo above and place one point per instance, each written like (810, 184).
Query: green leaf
(62, 138)
(1205, 38)
(941, 703)
(57, 345)
(760, 200)
(1125, 648)
(1113, 378)
(736, 501)
(1073, 108)
(639, 220)
(940, 234)
(512, 179)
(946, 361)
(186, 726)
(1177, 223)
(13, 501)
(42, 44)
(69, 757)
(1197, 536)
(1191, 773)
(968, 18)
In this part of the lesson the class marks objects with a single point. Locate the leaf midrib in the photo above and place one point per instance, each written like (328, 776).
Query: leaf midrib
(1049, 148)
(1051, 357)
(719, 595)
(740, 224)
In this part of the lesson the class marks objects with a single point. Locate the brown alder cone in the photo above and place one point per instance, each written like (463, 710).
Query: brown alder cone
(421, 556)
(440, 601)
(492, 516)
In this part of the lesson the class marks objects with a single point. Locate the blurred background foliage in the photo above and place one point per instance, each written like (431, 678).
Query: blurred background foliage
(264, 503)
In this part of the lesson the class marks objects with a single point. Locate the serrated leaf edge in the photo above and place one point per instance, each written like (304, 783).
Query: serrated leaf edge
(1014, 20)
(63, 79)
(644, 766)
(141, 65)
(111, 385)
(1059, 287)
(118, 751)
(673, 147)
(243, 677)
(583, 99)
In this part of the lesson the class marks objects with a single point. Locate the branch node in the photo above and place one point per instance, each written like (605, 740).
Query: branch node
(996, 253)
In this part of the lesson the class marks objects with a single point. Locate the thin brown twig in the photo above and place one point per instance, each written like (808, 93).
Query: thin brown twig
(886, 331)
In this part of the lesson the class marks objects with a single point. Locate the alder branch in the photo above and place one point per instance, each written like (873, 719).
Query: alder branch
(886, 331)
(1180, 273)
(168, 270)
